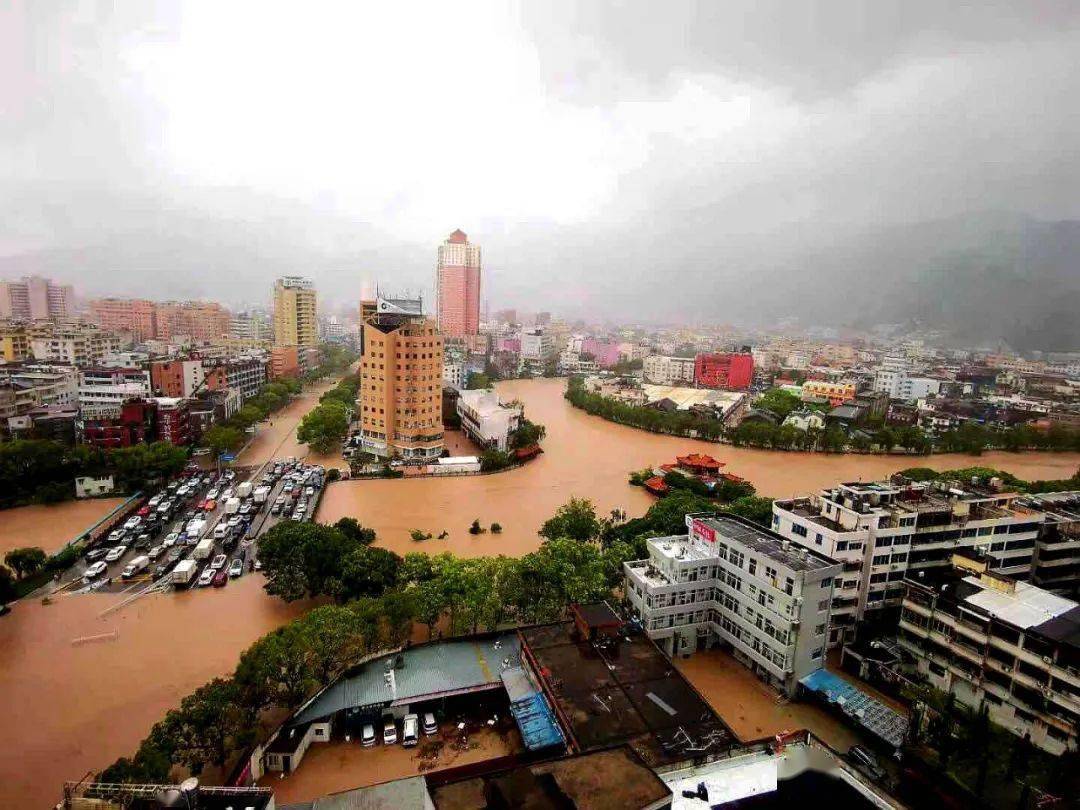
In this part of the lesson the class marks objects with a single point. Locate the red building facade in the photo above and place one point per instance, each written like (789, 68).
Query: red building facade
(457, 285)
(727, 370)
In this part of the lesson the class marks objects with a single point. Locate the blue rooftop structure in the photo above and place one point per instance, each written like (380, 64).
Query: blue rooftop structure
(864, 709)
(531, 711)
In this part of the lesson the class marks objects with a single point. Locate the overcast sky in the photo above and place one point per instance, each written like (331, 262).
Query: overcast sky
(601, 153)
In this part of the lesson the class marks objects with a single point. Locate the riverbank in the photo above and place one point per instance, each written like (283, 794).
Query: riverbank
(589, 457)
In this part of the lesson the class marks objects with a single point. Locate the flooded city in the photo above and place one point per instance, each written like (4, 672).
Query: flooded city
(586, 456)
(51, 526)
(81, 689)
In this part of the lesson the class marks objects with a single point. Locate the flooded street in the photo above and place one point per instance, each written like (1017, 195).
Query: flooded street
(50, 527)
(589, 457)
(278, 440)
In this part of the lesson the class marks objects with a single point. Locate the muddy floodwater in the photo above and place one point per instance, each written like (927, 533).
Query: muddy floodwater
(78, 689)
(589, 457)
(50, 527)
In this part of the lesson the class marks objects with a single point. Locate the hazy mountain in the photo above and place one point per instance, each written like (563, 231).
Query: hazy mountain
(981, 278)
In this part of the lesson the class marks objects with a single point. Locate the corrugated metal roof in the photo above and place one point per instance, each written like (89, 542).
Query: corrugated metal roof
(1027, 607)
(401, 793)
(431, 669)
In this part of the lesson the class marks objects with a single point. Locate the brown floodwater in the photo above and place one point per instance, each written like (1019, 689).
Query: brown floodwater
(586, 456)
(50, 527)
(69, 708)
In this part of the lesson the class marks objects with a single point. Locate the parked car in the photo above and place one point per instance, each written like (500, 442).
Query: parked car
(236, 568)
(174, 556)
(171, 539)
(115, 553)
(206, 578)
(276, 508)
(865, 761)
(95, 554)
(430, 726)
(258, 565)
(389, 735)
(144, 510)
(221, 531)
(367, 735)
(160, 571)
(115, 536)
(410, 730)
(221, 578)
(142, 542)
(94, 571)
(155, 552)
(132, 523)
(209, 505)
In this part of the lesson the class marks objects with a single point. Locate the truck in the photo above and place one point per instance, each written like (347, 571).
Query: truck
(184, 573)
(136, 566)
(261, 494)
(243, 489)
(232, 506)
(204, 549)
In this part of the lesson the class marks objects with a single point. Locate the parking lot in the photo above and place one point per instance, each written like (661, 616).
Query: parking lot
(201, 530)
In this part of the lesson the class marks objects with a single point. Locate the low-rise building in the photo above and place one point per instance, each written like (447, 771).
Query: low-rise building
(734, 584)
(177, 378)
(487, 421)
(537, 350)
(103, 390)
(29, 385)
(881, 531)
(173, 420)
(136, 424)
(245, 375)
(284, 362)
(992, 641)
(664, 370)
(837, 393)
(78, 345)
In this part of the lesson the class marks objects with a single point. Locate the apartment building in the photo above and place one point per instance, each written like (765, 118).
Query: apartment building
(1055, 565)
(454, 374)
(457, 286)
(136, 316)
(28, 385)
(993, 641)
(879, 532)
(102, 391)
(400, 403)
(731, 583)
(33, 298)
(486, 420)
(664, 370)
(198, 320)
(177, 378)
(245, 375)
(78, 345)
(251, 326)
(173, 420)
(14, 342)
(837, 393)
(295, 310)
(537, 347)
(284, 362)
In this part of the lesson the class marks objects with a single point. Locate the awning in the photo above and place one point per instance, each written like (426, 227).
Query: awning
(865, 709)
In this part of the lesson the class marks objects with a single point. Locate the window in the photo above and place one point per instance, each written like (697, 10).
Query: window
(818, 538)
(753, 567)
(881, 559)
(816, 654)
(819, 630)
(799, 529)
(827, 582)
(841, 545)
(883, 542)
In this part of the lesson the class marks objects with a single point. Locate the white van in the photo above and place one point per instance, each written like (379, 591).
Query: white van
(221, 531)
(410, 730)
(136, 566)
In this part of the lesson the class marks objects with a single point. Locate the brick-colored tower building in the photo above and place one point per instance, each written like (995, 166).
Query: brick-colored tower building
(400, 402)
(457, 286)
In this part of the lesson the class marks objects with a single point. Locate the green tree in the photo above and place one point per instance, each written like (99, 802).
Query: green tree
(529, 433)
(575, 519)
(752, 508)
(779, 402)
(368, 571)
(307, 559)
(222, 438)
(210, 723)
(25, 562)
(351, 528)
(477, 381)
(324, 427)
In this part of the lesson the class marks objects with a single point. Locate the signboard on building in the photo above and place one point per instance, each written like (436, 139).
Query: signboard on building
(702, 532)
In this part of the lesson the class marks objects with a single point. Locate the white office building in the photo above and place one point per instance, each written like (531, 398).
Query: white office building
(879, 531)
(103, 390)
(731, 583)
(487, 421)
(663, 370)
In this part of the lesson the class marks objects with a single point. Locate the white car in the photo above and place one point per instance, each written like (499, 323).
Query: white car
(367, 736)
(389, 734)
(226, 494)
(206, 577)
(236, 568)
(94, 571)
(171, 539)
(164, 507)
(219, 562)
(309, 492)
(221, 531)
(154, 502)
(132, 523)
(115, 536)
(115, 553)
(212, 495)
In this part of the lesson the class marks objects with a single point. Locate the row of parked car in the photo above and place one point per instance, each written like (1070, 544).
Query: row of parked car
(302, 482)
(410, 730)
(141, 529)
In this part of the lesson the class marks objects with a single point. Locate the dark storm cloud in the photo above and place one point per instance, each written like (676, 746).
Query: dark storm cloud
(628, 159)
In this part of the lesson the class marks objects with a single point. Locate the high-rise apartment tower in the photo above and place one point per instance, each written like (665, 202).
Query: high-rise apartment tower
(457, 286)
